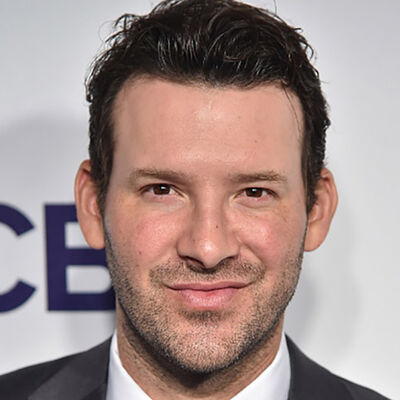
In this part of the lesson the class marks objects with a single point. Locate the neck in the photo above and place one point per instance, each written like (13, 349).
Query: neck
(162, 380)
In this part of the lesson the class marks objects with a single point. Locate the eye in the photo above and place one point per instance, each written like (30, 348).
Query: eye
(256, 192)
(162, 196)
(160, 189)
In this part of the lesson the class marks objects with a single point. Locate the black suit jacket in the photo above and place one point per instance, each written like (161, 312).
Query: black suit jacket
(83, 376)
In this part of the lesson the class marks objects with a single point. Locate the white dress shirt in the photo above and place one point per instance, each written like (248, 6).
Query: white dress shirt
(272, 384)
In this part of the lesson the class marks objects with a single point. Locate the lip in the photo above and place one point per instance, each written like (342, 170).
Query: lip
(207, 296)
(208, 286)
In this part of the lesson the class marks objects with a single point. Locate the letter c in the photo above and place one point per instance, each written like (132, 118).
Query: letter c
(21, 291)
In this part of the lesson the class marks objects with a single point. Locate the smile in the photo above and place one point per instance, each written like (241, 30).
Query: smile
(207, 295)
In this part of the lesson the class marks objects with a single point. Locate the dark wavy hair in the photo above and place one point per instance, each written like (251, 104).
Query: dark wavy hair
(214, 42)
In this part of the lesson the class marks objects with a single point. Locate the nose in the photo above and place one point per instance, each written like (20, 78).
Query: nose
(208, 238)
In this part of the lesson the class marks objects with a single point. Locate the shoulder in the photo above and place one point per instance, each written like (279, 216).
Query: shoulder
(22, 382)
(19, 384)
(312, 381)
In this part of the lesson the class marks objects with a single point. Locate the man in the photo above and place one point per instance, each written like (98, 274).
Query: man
(205, 184)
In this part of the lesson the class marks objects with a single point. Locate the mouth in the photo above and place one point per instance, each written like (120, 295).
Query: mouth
(207, 296)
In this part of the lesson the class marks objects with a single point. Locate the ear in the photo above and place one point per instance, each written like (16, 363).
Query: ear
(88, 211)
(320, 216)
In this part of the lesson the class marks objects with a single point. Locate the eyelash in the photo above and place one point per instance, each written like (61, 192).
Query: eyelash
(151, 188)
(165, 187)
(258, 189)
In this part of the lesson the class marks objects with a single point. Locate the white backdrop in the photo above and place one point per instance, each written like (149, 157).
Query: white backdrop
(345, 312)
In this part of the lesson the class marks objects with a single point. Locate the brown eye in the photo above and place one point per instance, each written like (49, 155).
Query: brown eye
(254, 192)
(161, 189)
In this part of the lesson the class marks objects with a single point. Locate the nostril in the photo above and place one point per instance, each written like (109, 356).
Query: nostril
(198, 266)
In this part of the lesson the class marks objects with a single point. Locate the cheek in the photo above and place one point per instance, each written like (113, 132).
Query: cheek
(272, 239)
(147, 239)
(153, 237)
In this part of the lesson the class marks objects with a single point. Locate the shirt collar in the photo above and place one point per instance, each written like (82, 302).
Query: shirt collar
(120, 384)
(272, 384)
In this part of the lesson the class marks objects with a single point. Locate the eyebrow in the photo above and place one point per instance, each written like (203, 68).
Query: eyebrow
(175, 176)
(162, 174)
(266, 176)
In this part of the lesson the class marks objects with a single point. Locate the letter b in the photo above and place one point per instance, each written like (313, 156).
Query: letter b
(59, 257)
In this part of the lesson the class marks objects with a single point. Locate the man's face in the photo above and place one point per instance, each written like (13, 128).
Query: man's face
(205, 217)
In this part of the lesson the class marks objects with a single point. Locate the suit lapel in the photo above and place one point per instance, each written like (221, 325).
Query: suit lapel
(310, 381)
(84, 377)
(98, 394)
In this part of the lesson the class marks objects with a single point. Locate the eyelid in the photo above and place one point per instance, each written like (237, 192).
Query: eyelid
(264, 189)
(147, 188)
(267, 191)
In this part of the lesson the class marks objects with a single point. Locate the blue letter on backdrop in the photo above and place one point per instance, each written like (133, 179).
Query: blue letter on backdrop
(59, 257)
(21, 291)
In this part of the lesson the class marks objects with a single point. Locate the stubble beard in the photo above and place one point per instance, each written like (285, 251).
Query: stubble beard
(201, 350)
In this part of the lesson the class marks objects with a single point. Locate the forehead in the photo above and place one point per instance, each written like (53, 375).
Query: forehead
(176, 122)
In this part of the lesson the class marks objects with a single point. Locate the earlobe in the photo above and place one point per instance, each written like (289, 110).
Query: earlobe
(88, 212)
(320, 216)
